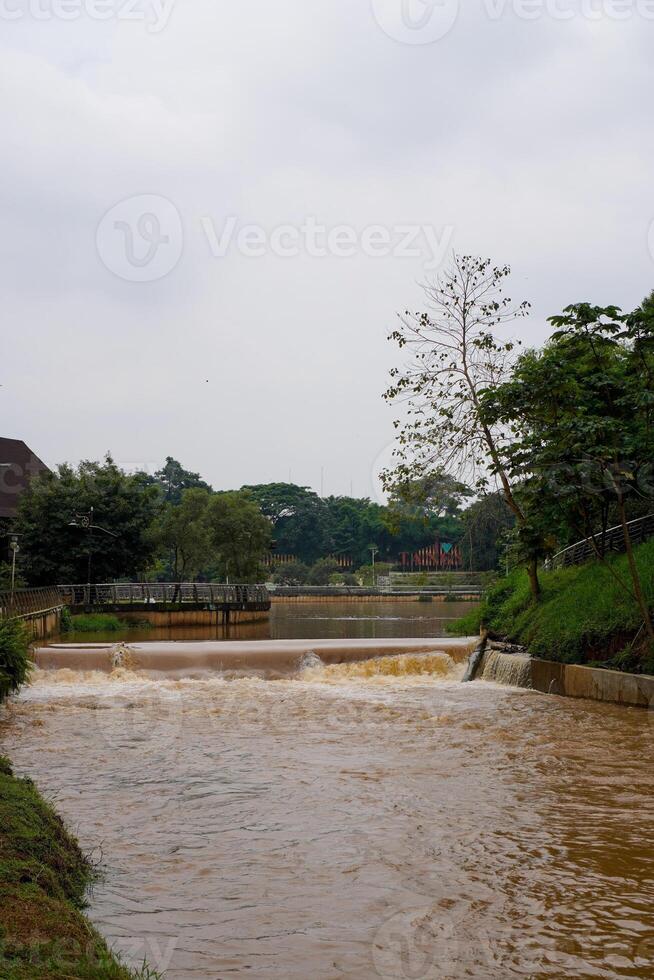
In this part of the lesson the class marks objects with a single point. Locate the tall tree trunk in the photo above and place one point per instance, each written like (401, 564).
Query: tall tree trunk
(633, 568)
(534, 582)
(532, 568)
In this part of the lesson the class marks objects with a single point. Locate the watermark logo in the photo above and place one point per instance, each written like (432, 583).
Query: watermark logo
(416, 21)
(148, 718)
(147, 957)
(650, 240)
(155, 14)
(141, 238)
(426, 21)
(417, 944)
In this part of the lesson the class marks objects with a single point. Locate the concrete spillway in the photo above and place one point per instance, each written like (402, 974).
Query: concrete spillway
(268, 656)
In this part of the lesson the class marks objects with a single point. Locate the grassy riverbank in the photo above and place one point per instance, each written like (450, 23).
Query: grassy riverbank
(43, 880)
(98, 623)
(584, 615)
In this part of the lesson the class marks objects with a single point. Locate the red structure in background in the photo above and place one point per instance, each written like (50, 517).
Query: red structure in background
(273, 560)
(440, 557)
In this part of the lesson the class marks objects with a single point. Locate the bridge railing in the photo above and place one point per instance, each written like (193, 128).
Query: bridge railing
(164, 592)
(292, 591)
(611, 541)
(29, 602)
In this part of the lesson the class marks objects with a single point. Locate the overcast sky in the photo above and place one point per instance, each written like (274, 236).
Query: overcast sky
(139, 316)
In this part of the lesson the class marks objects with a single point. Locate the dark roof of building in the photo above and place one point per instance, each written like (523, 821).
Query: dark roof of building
(15, 477)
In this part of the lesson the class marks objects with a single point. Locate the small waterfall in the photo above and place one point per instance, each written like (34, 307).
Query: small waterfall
(310, 661)
(433, 665)
(122, 656)
(511, 669)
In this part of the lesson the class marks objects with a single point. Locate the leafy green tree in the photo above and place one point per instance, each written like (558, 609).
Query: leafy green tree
(299, 518)
(435, 494)
(455, 358)
(292, 573)
(311, 528)
(14, 656)
(581, 412)
(240, 535)
(322, 572)
(487, 523)
(182, 533)
(279, 500)
(174, 480)
(353, 524)
(53, 552)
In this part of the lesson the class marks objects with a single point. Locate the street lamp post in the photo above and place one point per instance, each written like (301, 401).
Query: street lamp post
(373, 551)
(13, 544)
(85, 522)
(13, 541)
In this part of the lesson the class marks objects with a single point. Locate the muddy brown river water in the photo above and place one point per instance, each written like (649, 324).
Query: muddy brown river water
(359, 820)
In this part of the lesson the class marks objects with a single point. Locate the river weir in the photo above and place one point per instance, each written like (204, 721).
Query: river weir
(329, 811)
(505, 668)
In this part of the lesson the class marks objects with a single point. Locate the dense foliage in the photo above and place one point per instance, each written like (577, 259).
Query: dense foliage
(14, 658)
(565, 433)
(584, 615)
(580, 414)
(310, 527)
(172, 526)
(53, 551)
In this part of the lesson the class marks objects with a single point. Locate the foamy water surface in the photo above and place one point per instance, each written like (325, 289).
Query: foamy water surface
(356, 820)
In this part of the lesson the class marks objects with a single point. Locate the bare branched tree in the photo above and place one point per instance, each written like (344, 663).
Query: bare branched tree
(455, 357)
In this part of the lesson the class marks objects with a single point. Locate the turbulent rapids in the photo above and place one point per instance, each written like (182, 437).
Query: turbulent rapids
(345, 809)
(273, 658)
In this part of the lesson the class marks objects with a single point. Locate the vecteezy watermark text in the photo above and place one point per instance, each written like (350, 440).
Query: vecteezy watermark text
(316, 240)
(141, 239)
(427, 21)
(155, 14)
(593, 10)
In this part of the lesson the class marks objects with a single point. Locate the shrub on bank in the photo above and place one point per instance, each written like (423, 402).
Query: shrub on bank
(93, 623)
(14, 656)
(43, 879)
(584, 615)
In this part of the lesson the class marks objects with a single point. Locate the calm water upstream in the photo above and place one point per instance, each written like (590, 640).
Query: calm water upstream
(320, 619)
(359, 820)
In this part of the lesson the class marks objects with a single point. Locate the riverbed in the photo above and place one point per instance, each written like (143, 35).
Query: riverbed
(366, 819)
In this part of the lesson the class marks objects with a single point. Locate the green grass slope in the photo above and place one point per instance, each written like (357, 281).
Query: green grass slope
(584, 615)
(43, 879)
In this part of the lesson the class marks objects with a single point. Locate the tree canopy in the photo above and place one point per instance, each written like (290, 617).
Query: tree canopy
(53, 551)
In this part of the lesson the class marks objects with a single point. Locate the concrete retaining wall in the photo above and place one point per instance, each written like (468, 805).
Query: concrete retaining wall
(43, 624)
(567, 680)
(193, 617)
(590, 682)
(373, 597)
